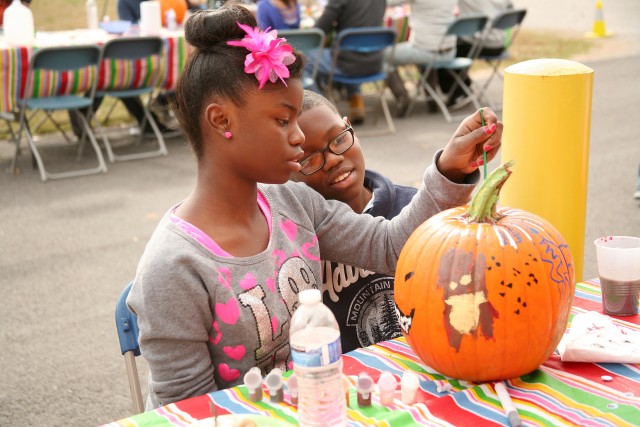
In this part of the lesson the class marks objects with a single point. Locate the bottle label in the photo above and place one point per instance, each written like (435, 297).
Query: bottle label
(325, 355)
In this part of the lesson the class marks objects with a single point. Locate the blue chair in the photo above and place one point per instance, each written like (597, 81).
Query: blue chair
(509, 22)
(133, 49)
(59, 60)
(310, 42)
(364, 40)
(127, 327)
(458, 67)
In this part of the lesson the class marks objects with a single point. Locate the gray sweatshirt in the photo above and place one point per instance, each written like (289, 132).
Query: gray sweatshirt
(205, 320)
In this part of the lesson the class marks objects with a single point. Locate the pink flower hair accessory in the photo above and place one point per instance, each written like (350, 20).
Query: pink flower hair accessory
(268, 55)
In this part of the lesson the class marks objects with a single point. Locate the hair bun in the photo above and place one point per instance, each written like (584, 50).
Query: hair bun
(208, 29)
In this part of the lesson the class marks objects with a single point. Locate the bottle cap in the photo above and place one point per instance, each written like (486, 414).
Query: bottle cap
(364, 383)
(253, 379)
(274, 379)
(310, 296)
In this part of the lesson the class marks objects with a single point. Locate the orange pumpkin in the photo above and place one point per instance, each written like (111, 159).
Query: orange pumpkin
(178, 6)
(484, 294)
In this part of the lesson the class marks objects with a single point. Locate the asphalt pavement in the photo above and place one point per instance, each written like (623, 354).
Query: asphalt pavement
(68, 247)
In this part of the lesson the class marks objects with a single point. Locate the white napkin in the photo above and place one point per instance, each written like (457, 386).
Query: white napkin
(593, 337)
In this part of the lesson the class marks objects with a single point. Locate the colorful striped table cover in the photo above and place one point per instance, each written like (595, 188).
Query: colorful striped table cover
(164, 71)
(556, 394)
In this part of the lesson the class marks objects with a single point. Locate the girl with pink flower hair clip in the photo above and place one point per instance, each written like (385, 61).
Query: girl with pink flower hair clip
(219, 279)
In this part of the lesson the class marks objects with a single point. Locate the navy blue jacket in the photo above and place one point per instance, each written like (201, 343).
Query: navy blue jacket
(362, 300)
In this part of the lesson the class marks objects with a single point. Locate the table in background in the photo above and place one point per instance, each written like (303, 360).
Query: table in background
(555, 394)
(14, 65)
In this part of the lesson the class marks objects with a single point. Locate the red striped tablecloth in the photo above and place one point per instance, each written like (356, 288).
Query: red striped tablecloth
(14, 64)
(556, 394)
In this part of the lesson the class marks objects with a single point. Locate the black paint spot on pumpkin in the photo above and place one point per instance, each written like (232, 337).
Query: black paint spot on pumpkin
(489, 268)
(524, 304)
(493, 258)
(408, 276)
(502, 282)
(535, 259)
(528, 283)
(498, 264)
(519, 299)
(517, 311)
(526, 263)
(501, 294)
(510, 285)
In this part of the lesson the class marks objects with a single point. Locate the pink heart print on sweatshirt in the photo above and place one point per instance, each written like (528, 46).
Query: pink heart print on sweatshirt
(228, 374)
(228, 312)
(290, 229)
(248, 282)
(236, 353)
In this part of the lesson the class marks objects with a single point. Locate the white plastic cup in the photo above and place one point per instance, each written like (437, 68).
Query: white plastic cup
(150, 18)
(619, 270)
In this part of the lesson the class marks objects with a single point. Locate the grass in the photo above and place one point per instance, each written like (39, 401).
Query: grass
(529, 44)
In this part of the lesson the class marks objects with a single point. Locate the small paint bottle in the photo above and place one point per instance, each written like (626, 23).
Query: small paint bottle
(275, 384)
(409, 385)
(364, 388)
(387, 384)
(253, 382)
(292, 385)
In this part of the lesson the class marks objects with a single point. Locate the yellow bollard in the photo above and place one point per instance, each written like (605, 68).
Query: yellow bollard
(547, 121)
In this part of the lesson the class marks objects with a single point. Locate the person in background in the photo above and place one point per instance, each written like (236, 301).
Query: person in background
(129, 10)
(361, 300)
(339, 15)
(492, 44)
(218, 281)
(429, 20)
(278, 14)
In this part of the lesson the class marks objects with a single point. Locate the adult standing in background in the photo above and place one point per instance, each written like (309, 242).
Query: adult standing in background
(129, 10)
(493, 43)
(337, 16)
(428, 21)
(278, 14)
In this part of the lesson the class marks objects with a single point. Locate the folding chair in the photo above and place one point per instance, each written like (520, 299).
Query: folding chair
(54, 62)
(310, 42)
(127, 327)
(132, 50)
(509, 22)
(364, 40)
(457, 67)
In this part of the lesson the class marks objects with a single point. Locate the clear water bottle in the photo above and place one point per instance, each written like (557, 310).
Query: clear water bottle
(92, 14)
(172, 25)
(317, 362)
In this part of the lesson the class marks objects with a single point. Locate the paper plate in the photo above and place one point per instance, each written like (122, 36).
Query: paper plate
(236, 420)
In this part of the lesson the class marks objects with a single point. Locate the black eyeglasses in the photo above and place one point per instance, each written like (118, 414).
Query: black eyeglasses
(338, 145)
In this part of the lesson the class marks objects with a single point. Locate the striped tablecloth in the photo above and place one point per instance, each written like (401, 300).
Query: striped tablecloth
(14, 64)
(556, 394)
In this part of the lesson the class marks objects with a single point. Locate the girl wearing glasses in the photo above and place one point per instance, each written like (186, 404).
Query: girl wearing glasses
(334, 166)
(219, 279)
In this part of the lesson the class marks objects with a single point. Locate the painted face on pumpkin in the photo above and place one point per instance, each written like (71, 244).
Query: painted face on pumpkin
(462, 278)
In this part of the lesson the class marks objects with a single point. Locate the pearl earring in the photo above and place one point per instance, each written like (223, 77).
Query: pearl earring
(228, 135)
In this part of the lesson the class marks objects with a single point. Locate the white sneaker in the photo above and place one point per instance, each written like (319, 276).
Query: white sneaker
(636, 195)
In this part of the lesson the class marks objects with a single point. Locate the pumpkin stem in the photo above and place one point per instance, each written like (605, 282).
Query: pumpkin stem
(483, 204)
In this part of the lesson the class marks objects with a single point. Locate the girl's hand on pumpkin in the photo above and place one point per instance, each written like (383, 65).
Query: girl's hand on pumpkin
(464, 152)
